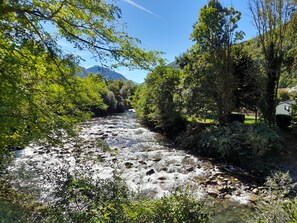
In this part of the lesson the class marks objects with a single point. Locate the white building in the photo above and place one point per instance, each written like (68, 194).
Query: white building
(284, 108)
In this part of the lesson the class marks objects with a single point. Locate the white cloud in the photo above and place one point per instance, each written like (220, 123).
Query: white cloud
(140, 7)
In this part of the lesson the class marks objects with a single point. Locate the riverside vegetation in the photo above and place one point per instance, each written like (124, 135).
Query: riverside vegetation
(42, 100)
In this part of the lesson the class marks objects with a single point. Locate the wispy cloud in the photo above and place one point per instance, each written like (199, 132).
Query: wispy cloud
(131, 2)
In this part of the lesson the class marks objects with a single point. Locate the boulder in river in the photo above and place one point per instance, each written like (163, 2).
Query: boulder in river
(128, 165)
(162, 178)
(190, 169)
(150, 172)
(158, 159)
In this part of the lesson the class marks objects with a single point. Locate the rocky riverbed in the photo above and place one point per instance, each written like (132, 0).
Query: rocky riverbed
(148, 162)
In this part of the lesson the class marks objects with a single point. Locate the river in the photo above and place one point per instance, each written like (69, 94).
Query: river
(148, 162)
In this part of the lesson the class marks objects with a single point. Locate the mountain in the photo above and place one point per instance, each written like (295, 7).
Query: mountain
(105, 72)
(173, 64)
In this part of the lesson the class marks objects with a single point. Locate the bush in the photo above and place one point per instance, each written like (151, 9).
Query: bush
(252, 147)
(179, 207)
(273, 206)
(236, 117)
(283, 121)
(86, 200)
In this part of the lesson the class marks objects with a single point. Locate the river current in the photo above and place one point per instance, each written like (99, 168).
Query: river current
(148, 162)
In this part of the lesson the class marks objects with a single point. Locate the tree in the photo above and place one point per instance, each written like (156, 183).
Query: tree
(155, 101)
(247, 90)
(271, 18)
(211, 63)
(89, 25)
(40, 97)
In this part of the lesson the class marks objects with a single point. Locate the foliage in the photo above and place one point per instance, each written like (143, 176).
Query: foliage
(273, 207)
(275, 211)
(88, 25)
(280, 183)
(117, 96)
(252, 147)
(82, 199)
(247, 87)
(85, 200)
(15, 206)
(271, 18)
(210, 61)
(155, 102)
(40, 96)
(179, 207)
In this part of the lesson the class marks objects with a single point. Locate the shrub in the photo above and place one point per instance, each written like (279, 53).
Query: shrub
(222, 141)
(283, 121)
(86, 200)
(236, 117)
(262, 140)
(249, 146)
(273, 208)
(179, 207)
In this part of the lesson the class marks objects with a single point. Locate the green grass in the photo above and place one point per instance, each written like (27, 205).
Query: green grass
(249, 120)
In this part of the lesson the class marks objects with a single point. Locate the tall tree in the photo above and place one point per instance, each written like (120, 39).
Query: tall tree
(155, 101)
(271, 18)
(247, 91)
(40, 96)
(215, 34)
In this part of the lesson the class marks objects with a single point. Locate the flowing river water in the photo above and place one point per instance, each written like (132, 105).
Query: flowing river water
(148, 162)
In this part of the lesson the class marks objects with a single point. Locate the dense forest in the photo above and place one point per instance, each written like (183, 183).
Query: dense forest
(220, 103)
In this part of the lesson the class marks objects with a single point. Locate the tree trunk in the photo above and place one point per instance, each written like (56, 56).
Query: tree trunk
(270, 100)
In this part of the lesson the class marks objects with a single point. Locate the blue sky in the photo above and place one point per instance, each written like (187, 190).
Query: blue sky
(165, 25)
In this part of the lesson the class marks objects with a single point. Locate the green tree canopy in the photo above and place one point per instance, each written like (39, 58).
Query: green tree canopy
(40, 97)
(88, 25)
(272, 20)
(156, 101)
(210, 61)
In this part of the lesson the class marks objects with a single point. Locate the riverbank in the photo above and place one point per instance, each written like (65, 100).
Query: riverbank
(150, 164)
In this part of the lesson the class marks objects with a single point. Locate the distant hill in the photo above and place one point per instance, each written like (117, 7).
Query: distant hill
(105, 72)
(173, 64)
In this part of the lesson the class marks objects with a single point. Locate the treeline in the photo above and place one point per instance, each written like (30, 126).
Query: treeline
(103, 97)
(219, 78)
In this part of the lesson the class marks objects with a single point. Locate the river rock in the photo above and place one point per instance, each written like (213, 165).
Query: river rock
(150, 172)
(220, 183)
(227, 196)
(252, 198)
(213, 192)
(222, 189)
(128, 165)
(190, 169)
(142, 162)
(157, 159)
(237, 193)
(255, 191)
